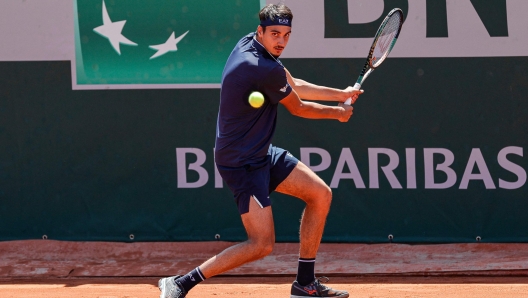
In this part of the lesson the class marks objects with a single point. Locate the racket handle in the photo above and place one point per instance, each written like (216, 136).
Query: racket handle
(357, 86)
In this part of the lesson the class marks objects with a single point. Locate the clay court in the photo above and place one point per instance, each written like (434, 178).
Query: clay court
(265, 287)
(47, 268)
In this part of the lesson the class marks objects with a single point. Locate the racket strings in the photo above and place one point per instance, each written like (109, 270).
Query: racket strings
(385, 40)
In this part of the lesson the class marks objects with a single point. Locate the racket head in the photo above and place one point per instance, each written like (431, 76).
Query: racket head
(386, 37)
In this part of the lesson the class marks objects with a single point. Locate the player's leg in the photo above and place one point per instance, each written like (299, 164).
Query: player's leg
(258, 222)
(304, 184)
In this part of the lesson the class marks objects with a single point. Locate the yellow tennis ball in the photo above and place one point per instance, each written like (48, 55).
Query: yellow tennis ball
(256, 99)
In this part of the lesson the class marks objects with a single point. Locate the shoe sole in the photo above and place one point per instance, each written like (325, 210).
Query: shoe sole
(295, 296)
(161, 287)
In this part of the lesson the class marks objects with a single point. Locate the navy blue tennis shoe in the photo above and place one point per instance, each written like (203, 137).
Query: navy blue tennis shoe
(315, 289)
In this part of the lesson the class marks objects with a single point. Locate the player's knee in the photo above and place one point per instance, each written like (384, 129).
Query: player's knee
(326, 196)
(266, 249)
(263, 248)
(320, 198)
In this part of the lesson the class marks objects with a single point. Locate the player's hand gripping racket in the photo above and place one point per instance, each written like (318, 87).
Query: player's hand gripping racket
(384, 41)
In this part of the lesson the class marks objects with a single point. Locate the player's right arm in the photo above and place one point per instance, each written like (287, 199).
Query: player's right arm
(312, 110)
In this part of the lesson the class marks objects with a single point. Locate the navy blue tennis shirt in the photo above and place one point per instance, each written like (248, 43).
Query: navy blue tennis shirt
(244, 133)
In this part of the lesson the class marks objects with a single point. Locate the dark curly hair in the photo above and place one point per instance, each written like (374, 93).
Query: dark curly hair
(272, 11)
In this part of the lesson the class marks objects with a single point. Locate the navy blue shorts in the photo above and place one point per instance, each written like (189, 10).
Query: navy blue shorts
(258, 179)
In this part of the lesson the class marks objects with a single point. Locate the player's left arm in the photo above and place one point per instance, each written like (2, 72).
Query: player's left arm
(313, 110)
(310, 91)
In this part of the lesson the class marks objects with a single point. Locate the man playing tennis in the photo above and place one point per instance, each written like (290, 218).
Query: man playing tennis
(253, 168)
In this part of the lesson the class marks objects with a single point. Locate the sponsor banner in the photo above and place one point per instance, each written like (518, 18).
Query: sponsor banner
(346, 169)
(322, 28)
(156, 44)
(432, 28)
(184, 44)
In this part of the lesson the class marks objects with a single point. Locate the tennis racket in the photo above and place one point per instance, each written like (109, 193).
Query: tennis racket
(384, 41)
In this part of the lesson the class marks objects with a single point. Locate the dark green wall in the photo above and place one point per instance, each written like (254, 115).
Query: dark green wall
(101, 165)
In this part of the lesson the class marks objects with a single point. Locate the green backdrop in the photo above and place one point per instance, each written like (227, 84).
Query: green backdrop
(433, 153)
(101, 164)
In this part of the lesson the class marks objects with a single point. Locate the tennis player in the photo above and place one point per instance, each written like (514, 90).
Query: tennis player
(253, 168)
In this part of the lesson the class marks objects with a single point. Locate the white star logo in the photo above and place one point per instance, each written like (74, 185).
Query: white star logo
(112, 31)
(168, 46)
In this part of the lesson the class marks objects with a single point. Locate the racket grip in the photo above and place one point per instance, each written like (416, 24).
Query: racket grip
(357, 86)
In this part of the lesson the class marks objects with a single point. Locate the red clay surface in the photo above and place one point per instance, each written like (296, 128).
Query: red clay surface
(269, 287)
(60, 269)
